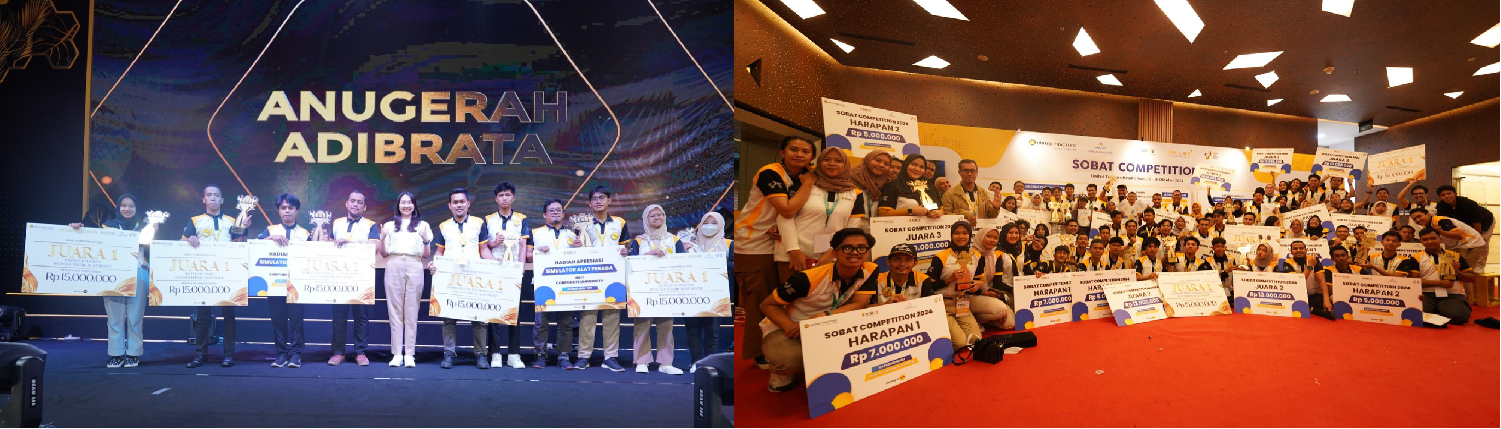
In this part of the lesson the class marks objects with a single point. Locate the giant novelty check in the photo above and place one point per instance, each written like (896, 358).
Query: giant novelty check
(322, 273)
(679, 285)
(89, 261)
(579, 278)
(214, 273)
(482, 290)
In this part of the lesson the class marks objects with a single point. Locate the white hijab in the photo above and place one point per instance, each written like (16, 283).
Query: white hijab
(713, 243)
(657, 233)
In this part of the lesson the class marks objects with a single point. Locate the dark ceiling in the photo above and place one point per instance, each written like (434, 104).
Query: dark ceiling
(1031, 42)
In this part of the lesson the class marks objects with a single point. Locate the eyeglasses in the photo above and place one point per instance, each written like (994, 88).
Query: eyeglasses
(969, 170)
(853, 250)
(599, 198)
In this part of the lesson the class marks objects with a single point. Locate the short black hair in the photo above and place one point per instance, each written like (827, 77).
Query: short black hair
(1060, 248)
(840, 235)
(996, 183)
(1392, 233)
(1313, 176)
(1357, 227)
(1150, 241)
(1217, 241)
(1097, 241)
(1149, 210)
(1449, 188)
(1426, 231)
(1297, 242)
(1418, 210)
(505, 186)
(969, 161)
(1091, 185)
(1117, 240)
(1416, 188)
(601, 189)
(288, 199)
(1188, 239)
(1338, 249)
(215, 186)
(1068, 185)
(1414, 230)
(456, 191)
(1072, 221)
(789, 139)
(550, 202)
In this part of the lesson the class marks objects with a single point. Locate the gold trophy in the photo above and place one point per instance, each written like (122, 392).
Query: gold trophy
(964, 284)
(246, 204)
(153, 218)
(583, 226)
(1445, 266)
(320, 219)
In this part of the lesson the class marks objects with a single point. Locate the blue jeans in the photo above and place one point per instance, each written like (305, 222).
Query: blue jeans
(124, 314)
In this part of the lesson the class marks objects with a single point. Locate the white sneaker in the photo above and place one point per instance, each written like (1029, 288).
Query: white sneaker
(515, 361)
(496, 359)
(411, 361)
(642, 368)
(693, 369)
(670, 370)
(396, 361)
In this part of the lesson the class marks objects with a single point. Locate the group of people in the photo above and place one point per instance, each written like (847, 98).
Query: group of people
(406, 244)
(805, 243)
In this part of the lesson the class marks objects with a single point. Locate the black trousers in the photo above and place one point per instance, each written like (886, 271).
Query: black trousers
(514, 333)
(205, 316)
(341, 328)
(286, 325)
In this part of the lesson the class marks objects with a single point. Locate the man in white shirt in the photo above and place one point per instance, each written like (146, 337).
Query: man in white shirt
(509, 232)
(462, 237)
(602, 230)
(552, 235)
(353, 227)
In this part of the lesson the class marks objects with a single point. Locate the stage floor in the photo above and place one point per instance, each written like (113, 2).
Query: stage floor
(81, 392)
(1227, 371)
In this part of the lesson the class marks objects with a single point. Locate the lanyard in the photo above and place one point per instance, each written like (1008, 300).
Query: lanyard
(828, 209)
(838, 297)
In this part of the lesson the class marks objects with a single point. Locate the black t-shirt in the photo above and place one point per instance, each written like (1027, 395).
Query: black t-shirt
(797, 286)
(770, 183)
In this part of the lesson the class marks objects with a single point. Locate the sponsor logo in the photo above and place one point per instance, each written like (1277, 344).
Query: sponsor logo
(1059, 145)
(1178, 153)
(1211, 155)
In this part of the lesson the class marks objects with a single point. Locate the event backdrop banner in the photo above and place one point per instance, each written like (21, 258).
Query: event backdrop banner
(928, 236)
(322, 273)
(850, 356)
(580, 278)
(480, 290)
(1089, 292)
(678, 285)
(1275, 160)
(88, 261)
(1398, 165)
(863, 129)
(268, 97)
(1380, 299)
(211, 274)
(267, 268)
(1194, 293)
(1043, 301)
(1338, 163)
(1271, 294)
(1136, 302)
(1211, 176)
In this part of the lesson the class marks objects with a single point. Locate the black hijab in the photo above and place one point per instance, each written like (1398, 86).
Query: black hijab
(906, 187)
(132, 223)
(955, 228)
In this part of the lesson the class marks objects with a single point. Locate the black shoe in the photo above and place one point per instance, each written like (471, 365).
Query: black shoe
(198, 361)
(481, 362)
(447, 361)
(281, 361)
(132, 361)
(229, 361)
(1324, 314)
(114, 362)
(1489, 322)
(295, 361)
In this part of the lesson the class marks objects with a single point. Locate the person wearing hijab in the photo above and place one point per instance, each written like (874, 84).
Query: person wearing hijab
(123, 314)
(656, 241)
(910, 195)
(959, 271)
(873, 174)
(1315, 228)
(703, 332)
(989, 303)
(1265, 261)
(835, 202)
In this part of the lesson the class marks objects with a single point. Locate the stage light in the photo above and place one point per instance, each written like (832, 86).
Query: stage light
(1182, 15)
(1246, 61)
(940, 8)
(1396, 76)
(1339, 7)
(1335, 98)
(1267, 78)
(1454, 94)
(1490, 38)
(804, 8)
(1195, 94)
(1109, 79)
(1084, 44)
(1269, 103)
(932, 61)
(1488, 69)
(843, 46)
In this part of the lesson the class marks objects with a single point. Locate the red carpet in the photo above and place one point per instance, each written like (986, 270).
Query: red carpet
(1233, 371)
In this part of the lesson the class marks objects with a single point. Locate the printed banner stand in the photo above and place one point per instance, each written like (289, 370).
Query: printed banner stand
(1136, 302)
(850, 356)
(1380, 299)
(1271, 294)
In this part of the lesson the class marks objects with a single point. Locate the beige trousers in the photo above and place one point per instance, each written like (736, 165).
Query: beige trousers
(403, 297)
(587, 328)
(641, 332)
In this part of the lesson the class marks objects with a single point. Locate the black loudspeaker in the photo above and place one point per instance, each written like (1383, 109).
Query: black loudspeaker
(714, 392)
(12, 323)
(21, 368)
(1367, 124)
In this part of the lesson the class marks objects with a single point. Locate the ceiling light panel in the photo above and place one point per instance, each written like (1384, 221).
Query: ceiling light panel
(933, 62)
(1109, 79)
(1488, 69)
(1084, 44)
(1195, 94)
(941, 8)
(1182, 15)
(1396, 76)
(1339, 7)
(1252, 60)
(1490, 38)
(1267, 79)
(1455, 94)
(1273, 101)
(843, 46)
(1335, 98)
(804, 8)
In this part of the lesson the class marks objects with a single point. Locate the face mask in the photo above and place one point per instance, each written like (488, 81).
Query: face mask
(708, 230)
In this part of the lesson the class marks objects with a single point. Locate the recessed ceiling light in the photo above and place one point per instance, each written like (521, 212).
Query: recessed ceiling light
(1339, 7)
(941, 8)
(932, 61)
(1182, 15)
(1195, 94)
(1084, 44)
(1397, 76)
(1488, 69)
(1454, 94)
(844, 46)
(1273, 101)
(1335, 98)
(804, 8)
(1252, 60)
(1267, 79)
(1109, 79)
(1490, 38)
